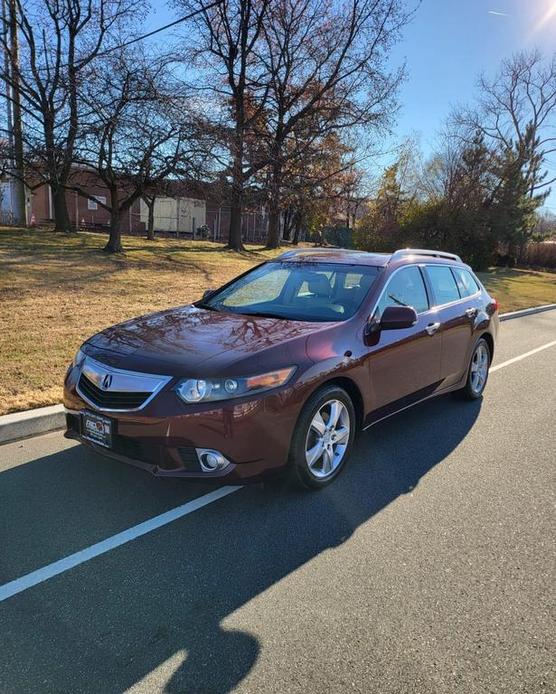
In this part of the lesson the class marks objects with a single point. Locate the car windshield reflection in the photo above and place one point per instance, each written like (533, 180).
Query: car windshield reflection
(314, 292)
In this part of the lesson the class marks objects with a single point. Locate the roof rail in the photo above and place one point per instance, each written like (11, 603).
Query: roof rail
(423, 251)
(305, 249)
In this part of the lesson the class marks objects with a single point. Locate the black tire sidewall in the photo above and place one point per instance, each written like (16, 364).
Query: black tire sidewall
(300, 470)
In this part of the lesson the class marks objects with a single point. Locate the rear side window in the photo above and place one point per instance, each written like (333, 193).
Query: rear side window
(443, 284)
(467, 284)
(406, 288)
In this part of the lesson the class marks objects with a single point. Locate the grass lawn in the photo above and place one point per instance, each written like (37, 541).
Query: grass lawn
(56, 291)
(517, 289)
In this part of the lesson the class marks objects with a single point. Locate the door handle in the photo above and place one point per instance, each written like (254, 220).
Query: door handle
(432, 328)
(471, 312)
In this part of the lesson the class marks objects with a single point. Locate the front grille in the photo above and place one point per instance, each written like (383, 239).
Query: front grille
(137, 450)
(110, 399)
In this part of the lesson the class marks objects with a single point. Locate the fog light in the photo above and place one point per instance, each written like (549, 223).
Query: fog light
(210, 460)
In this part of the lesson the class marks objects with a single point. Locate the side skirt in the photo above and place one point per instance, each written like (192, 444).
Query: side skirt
(398, 406)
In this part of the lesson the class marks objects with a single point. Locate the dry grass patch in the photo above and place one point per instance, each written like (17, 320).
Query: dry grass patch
(516, 289)
(56, 291)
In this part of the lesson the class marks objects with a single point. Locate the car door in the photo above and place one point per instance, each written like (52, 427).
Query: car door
(456, 314)
(404, 364)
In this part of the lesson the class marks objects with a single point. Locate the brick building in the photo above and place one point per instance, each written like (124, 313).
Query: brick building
(181, 210)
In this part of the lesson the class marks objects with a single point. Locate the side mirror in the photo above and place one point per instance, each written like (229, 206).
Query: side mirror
(207, 293)
(398, 317)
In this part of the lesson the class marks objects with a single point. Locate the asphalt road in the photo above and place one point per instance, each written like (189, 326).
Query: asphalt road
(427, 567)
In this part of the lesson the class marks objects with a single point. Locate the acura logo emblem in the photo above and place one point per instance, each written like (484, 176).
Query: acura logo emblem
(107, 381)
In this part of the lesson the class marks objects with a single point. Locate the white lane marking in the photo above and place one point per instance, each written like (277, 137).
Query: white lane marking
(35, 577)
(522, 356)
(40, 575)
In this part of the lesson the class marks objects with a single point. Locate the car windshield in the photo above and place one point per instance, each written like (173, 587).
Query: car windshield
(297, 291)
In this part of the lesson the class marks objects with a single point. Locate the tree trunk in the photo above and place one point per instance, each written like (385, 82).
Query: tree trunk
(273, 238)
(287, 224)
(150, 220)
(297, 232)
(236, 213)
(114, 244)
(61, 214)
(235, 241)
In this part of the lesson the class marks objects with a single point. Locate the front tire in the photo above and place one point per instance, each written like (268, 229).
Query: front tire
(323, 437)
(477, 373)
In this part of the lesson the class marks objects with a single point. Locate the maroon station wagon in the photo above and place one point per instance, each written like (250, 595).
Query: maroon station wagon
(278, 369)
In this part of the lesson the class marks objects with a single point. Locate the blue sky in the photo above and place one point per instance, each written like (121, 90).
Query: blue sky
(447, 45)
(450, 42)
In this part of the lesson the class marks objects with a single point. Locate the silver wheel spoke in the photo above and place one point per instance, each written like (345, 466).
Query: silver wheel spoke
(314, 453)
(327, 462)
(335, 411)
(342, 434)
(318, 424)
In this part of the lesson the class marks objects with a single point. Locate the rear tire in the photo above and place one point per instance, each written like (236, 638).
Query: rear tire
(477, 372)
(323, 438)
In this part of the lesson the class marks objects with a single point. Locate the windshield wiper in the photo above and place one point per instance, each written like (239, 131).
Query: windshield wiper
(264, 314)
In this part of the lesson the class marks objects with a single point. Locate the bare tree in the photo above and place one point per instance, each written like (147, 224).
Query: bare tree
(137, 133)
(287, 65)
(326, 69)
(59, 40)
(517, 111)
(222, 40)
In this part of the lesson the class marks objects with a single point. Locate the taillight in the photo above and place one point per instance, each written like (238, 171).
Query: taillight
(494, 304)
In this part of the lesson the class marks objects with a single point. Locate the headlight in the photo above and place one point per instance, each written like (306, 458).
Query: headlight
(79, 358)
(210, 389)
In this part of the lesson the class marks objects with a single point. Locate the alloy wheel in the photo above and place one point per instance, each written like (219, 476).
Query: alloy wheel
(327, 438)
(479, 368)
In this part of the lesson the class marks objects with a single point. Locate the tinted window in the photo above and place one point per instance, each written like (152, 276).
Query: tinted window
(467, 284)
(406, 288)
(443, 284)
(297, 291)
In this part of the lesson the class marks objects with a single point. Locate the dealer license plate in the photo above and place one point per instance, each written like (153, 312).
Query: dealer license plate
(96, 428)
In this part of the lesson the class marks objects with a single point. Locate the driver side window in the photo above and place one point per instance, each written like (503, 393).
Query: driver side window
(406, 288)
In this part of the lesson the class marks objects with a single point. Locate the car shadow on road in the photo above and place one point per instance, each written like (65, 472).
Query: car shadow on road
(157, 605)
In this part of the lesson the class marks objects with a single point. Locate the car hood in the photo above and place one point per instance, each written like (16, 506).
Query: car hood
(194, 341)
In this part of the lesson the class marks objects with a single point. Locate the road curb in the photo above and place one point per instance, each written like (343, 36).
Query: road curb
(527, 311)
(21, 425)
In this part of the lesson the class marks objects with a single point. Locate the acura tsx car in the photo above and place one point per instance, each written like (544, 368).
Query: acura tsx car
(277, 370)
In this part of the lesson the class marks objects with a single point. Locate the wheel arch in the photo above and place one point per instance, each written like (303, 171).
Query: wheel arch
(352, 389)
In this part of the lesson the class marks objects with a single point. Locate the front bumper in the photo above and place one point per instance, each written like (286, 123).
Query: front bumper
(162, 438)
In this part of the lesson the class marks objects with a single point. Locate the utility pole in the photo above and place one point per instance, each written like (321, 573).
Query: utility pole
(16, 136)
